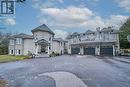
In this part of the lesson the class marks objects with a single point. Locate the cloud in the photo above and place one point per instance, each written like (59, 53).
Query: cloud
(78, 18)
(9, 21)
(69, 14)
(46, 3)
(74, 17)
(116, 20)
(124, 4)
(60, 34)
(43, 3)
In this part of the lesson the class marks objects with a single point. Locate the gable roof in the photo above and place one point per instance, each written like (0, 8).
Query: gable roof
(107, 29)
(68, 37)
(22, 35)
(75, 34)
(44, 28)
(89, 32)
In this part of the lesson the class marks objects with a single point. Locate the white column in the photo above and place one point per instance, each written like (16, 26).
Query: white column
(48, 49)
(81, 50)
(97, 50)
(37, 48)
(69, 50)
(113, 50)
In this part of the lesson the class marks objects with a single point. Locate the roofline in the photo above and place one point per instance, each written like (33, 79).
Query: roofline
(42, 30)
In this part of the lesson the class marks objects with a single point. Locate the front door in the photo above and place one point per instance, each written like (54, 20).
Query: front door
(43, 49)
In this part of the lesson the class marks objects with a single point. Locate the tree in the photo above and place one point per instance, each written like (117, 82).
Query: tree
(4, 42)
(125, 31)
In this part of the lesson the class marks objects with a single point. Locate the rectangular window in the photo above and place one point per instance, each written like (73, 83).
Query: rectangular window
(49, 47)
(61, 44)
(12, 51)
(128, 37)
(19, 52)
(11, 42)
(18, 40)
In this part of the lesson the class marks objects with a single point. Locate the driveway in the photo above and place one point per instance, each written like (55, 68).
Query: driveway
(68, 71)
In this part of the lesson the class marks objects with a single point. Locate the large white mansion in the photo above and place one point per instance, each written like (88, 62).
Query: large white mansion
(101, 42)
(42, 41)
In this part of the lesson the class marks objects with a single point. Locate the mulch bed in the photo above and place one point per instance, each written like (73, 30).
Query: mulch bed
(3, 83)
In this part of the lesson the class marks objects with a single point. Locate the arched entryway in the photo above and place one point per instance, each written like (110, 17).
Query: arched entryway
(42, 47)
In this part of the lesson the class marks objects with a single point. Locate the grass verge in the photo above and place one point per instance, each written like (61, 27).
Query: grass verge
(10, 58)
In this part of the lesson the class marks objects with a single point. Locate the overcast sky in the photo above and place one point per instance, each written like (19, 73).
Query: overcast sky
(67, 16)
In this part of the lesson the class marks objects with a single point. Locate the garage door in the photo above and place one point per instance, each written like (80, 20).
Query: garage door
(106, 51)
(75, 50)
(89, 51)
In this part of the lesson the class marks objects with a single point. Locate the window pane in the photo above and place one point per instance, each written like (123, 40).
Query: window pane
(11, 42)
(18, 41)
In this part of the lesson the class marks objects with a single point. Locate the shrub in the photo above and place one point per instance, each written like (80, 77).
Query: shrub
(53, 54)
(3, 50)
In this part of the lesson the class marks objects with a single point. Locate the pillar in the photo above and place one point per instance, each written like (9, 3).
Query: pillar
(37, 48)
(81, 50)
(97, 50)
(48, 47)
(113, 50)
(69, 50)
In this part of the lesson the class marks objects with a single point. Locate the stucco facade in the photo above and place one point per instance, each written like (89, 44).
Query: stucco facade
(41, 41)
(101, 42)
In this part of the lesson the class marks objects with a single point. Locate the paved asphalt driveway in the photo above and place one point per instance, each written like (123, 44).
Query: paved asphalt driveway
(68, 71)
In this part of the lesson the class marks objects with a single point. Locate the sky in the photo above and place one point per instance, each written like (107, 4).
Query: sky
(66, 16)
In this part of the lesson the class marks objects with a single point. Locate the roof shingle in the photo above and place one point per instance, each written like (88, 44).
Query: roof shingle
(43, 27)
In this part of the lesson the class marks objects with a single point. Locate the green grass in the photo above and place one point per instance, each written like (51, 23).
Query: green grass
(9, 58)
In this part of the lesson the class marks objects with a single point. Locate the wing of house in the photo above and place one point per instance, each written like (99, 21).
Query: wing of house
(101, 42)
(41, 41)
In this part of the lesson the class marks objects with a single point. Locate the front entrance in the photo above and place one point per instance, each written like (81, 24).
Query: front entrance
(43, 48)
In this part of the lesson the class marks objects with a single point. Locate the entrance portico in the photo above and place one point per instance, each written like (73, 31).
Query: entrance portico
(42, 47)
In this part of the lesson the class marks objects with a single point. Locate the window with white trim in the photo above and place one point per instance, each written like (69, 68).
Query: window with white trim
(11, 51)
(19, 52)
(18, 40)
(11, 42)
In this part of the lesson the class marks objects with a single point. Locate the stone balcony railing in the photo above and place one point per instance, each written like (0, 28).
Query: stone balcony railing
(93, 41)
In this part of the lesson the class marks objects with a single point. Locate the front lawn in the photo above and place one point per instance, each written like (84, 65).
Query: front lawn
(9, 58)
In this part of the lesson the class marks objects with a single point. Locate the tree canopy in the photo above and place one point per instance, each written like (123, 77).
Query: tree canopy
(125, 31)
(4, 41)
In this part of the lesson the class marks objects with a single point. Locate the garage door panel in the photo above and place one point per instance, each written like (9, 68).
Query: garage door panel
(75, 50)
(89, 51)
(106, 51)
